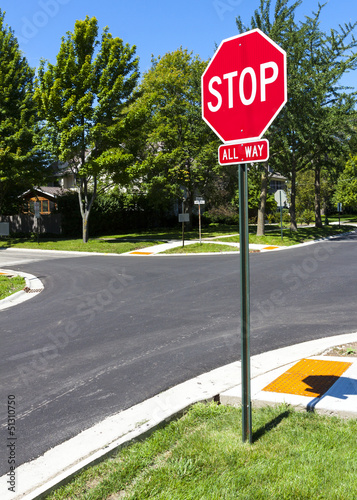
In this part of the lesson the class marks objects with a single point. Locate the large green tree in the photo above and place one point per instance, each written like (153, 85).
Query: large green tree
(312, 129)
(21, 162)
(346, 189)
(178, 151)
(84, 99)
(279, 25)
(330, 106)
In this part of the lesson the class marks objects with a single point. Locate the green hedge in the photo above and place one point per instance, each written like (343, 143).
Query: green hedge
(112, 213)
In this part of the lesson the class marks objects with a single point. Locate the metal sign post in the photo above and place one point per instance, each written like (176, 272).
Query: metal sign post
(281, 200)
(199, 201)
(281, 217)
(245, 303)
(183, 222)
(183, 218)
(339, 210)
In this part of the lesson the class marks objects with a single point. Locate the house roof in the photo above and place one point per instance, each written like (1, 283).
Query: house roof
(277, 176)
(52, 192)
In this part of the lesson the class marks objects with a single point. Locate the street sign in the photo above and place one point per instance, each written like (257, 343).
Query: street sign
(244, 86)
(243, 152)
(339, 207)
(280, 198)
(184, 217)
(4, 229)
(199, 202)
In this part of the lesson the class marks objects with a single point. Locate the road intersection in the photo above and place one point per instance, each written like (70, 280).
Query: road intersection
(109, 332)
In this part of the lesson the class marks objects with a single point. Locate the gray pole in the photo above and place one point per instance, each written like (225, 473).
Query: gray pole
(245, 294)
(281, 217)
(199, 222)
(183, 224)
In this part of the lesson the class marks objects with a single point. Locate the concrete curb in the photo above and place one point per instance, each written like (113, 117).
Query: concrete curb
(34, 286)
(58, 465)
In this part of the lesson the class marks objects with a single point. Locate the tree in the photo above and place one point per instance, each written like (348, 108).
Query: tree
(329, 57)
(346, 189)
(312, 128)
(305, 191)
(178, 151)
(21, 162)
(278, 29)
(84, 99)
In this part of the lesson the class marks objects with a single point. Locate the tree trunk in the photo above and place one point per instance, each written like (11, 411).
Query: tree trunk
(85, 205)
(318, 220)
(85, 232)
(262, 202)
(292, 209)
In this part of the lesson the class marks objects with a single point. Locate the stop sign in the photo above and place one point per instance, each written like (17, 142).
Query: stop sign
(244, 86)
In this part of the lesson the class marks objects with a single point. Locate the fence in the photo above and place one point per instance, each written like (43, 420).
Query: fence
(28, 223)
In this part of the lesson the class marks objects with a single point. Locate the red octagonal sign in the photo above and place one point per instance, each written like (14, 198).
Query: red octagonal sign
(244, 86)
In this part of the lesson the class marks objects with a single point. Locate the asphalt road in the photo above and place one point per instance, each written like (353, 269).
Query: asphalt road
(109, 332)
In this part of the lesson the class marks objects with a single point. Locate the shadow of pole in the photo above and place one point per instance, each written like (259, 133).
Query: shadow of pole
(270, 425)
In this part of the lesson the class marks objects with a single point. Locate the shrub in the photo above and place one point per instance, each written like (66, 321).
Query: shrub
(222, 215)
(272, 218)
(286, 217)
(307, 216)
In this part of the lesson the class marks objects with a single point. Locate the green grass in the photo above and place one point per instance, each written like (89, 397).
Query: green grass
(8, 286)
(136, 241)
(343, 218)
(201, 456)
(202, 248)
(93, 245)
(273, 237)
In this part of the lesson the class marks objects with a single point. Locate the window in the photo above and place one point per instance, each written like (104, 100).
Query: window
(275, 185)
(45, 206)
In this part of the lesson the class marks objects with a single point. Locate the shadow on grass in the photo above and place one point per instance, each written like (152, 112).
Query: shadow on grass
(270, 425)
(309, 233)
(15, 240)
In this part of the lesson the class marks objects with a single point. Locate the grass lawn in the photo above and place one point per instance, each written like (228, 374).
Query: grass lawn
(8, 286)
(136, 241)
(273, 237)
(201, 456)
(202, 248)
(343, 218)
(94, 244)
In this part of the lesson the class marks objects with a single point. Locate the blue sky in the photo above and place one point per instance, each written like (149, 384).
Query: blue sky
(154, 26)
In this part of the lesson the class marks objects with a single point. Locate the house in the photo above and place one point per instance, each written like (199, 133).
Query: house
(63, 180)
(276, 182)
(45, 195)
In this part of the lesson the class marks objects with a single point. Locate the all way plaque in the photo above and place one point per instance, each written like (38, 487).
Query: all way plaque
(243, 152)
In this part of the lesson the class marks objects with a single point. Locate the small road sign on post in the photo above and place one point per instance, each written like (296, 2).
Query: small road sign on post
(339, 210)
(183, 218)
(281, 200)
(199, 201)
(4, 229)
(244, 87)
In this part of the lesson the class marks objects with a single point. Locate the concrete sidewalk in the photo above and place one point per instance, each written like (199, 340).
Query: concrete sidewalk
(159, 249)
(61, 463)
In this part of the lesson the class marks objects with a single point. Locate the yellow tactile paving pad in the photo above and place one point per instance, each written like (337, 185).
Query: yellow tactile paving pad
(308, 377)
(140, 253)
(270, 248)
